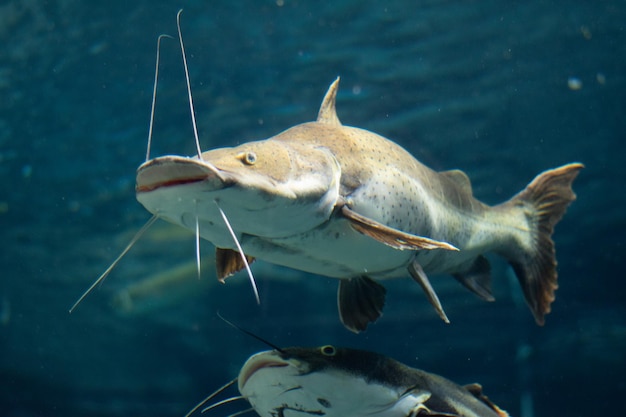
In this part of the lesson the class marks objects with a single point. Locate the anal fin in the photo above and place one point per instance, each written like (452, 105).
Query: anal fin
(360, 301)
(397, 239)
(478, 278)
(421, 278)
(229, 262)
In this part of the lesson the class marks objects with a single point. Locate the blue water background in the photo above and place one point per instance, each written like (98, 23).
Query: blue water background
(477, 85)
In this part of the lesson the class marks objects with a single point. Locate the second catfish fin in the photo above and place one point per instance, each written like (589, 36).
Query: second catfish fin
(395, 238)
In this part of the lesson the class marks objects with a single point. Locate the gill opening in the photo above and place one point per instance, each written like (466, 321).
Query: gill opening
(101, 278)
(241, 253)
(191, 107)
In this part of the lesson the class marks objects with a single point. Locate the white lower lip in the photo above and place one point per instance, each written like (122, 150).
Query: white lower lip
(258, 362)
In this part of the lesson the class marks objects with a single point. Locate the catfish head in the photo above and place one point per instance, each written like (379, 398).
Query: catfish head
(269, 188)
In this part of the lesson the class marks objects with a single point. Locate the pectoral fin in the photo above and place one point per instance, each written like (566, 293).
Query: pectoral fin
(390, 236)
(420, 409)
(419, 397)
(477, 391)
(360, 301)
(229, 262)
(421, 278)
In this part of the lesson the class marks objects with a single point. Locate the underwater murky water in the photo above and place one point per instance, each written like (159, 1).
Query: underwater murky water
(499, 90)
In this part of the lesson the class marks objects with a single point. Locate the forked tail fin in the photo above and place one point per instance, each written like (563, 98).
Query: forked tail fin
(545, 200)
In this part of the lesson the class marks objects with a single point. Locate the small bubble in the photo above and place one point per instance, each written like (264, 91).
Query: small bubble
(574, 83)
(601, 78)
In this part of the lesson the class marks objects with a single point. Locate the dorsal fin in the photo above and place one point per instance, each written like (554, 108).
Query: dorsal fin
(460, 178)
(328, 113)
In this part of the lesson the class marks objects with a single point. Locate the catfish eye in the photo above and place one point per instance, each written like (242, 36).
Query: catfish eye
(248, 158)
(328, 350)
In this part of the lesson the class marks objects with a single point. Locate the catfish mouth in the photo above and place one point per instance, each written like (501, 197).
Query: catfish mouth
(258, 362)
(172, 170)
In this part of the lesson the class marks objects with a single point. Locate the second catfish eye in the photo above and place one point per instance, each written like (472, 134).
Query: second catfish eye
(328, 350)
(248, 158)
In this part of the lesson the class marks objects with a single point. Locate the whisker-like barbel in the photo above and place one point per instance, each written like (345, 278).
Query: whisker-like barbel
(154, 92)
(198, 243)
(117, 260)
(242, 412)
(211, 396)
(191, 107)
(241, 253)
(226, 401)
(148, 147)
(249, 333)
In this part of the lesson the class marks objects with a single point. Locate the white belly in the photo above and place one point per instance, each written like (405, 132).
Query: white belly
(334, 250)
(331, 394)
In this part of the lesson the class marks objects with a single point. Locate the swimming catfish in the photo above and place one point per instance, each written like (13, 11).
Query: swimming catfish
(340, 382)
(347, 203)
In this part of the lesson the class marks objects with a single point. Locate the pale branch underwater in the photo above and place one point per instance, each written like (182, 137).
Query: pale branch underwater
(346, 203)
(341, 382)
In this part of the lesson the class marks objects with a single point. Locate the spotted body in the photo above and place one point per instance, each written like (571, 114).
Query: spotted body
(347, 203)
